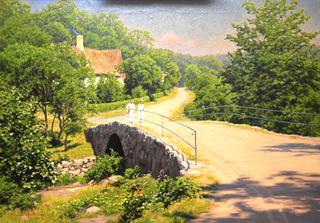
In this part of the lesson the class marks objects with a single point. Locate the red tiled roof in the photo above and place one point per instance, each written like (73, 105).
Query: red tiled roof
(103, 61)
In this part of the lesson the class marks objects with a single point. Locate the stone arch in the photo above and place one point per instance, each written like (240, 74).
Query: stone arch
(137, 148)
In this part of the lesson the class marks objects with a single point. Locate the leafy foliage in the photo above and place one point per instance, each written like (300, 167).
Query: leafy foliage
(7, 190)
(275, 65)
(209, 64)
(171, 190)
(133, 207)
(14, 197)
(25, 201)
(211, 92)
(104, 167)
(104, 107)
(132, 173)
(56, 77)
(138, 92)
(109, 89)
(170, 70)
(23, 156)
(142, 70)
(67, 178)
(134, 195)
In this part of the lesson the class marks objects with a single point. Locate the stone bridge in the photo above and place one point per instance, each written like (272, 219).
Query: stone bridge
(137, 148)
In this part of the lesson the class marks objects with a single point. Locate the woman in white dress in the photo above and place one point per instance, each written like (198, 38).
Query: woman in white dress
(131, 108)
(140, 111)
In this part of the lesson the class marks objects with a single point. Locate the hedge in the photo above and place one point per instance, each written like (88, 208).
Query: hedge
(104, 107)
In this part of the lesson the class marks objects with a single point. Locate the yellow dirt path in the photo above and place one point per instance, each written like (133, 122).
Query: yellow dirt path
(264, 177)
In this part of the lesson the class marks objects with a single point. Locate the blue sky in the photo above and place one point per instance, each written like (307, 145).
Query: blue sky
(197, 29)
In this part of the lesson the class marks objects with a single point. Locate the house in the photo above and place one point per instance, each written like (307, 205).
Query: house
(102, 61)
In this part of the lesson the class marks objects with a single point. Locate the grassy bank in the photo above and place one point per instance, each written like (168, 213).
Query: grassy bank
(110, 199)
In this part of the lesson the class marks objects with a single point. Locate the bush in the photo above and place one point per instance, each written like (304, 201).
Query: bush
(110, 89)
(155, 96)
(138, 92)
(7, 190)
(60, 158)
(13, 197)
(65, 179)
(104, 107)
(171, 190)
(25, 201)
(133, 207)
(24, 158)
(132, 173)
(104, 167)
(71, 209)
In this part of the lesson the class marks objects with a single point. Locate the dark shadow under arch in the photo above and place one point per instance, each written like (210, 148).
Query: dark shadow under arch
(114, 144)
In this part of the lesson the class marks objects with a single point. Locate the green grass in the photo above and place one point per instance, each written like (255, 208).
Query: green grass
(77, 148)
(182, 211)
(109, 198)
(49, 210)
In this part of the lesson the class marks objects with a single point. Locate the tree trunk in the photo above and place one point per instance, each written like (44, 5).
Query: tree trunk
(52, 124)
(65, 142)
(60, 127)
(45, 113)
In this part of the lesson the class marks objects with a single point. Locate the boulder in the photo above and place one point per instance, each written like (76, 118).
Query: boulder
(93, 210)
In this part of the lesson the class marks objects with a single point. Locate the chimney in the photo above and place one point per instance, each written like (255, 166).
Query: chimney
(80, 42)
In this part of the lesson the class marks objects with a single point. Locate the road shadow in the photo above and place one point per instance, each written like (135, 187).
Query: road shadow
(299, 149)
(300, 191)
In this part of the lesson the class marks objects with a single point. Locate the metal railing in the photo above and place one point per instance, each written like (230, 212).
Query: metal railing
(181, 131)
(264, 117)
(185, 128)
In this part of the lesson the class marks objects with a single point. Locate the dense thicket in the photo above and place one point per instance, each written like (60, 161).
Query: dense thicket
(211, 92)
(109, 89)
(23, 156)
(209, 64)
(275, 65)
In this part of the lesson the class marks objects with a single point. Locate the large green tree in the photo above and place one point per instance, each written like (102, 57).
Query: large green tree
(144, 71)
(211, 93)
(136, 42)
(170, 70)
(22, 29)
(57, 78)
(275, 65)
(11, 8)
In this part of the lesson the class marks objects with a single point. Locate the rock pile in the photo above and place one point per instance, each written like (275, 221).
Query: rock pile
(76, 167)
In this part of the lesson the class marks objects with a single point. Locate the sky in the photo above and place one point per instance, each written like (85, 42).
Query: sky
(197, 27)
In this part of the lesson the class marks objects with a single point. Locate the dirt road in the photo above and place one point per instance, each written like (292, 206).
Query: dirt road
(264, 177)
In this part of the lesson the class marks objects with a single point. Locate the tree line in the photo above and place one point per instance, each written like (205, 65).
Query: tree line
(275, 67)
(42, 76)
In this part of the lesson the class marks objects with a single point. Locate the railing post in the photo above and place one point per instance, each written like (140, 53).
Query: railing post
(195, 148)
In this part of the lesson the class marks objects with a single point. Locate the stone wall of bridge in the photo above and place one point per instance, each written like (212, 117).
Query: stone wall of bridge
(137, 148)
